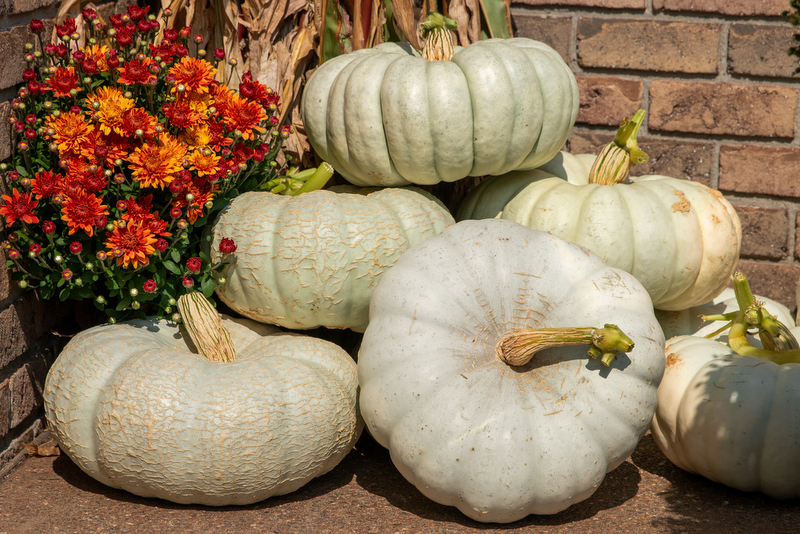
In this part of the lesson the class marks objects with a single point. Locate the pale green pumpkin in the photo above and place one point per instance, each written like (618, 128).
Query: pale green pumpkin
(136, 408)
(386, 116)
(314, 259)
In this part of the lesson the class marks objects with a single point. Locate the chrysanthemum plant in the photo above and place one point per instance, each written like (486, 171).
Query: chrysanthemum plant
(122, 151)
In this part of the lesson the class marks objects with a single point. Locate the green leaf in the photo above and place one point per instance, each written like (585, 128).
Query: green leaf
(207, 286)
(171, 266)
(124, 303)
(175, 255)
(497, 18)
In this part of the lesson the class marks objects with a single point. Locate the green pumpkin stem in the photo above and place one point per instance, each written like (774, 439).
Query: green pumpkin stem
(435, 30)
(317, 180)
(519, 346)
(205, 328)
(301, 181)
(614, 161)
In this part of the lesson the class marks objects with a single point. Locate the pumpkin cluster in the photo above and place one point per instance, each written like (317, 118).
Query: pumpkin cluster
(511, 355)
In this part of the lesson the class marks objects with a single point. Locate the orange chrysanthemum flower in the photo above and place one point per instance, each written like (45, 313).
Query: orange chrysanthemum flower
(203, 191)
(46, 184)
(80, 210)
(204, 161)
(222, 94)
(70, 132)
(197, 136)
(244, 115)
(97, 53)
(195, 75)
(155, 164)
(135, 241)
(62, 81)
(141, 211)
(112, 108)
(86, 175)
(19, 206)
(136, 71)
(218, 139)
(138, 119)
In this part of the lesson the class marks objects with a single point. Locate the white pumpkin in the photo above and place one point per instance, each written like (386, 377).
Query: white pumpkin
(313, 260)
(135, 408)
(680, 239)
(469, 430)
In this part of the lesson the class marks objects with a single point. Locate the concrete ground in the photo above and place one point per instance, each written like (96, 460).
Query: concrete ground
(366, 494)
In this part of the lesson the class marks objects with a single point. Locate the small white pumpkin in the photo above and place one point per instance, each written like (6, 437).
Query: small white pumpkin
(731, 412)
(501, 441)
(680, 239)
(135, 408)
(314, 259)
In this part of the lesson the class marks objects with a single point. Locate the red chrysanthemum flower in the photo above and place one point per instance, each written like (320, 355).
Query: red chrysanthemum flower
(104, 150)
(62, 81)
(138, 119)
(46, 184)
(227, 246)
(194, 264)
(134, 241)
(202, 191)
(245, 116)
(19, 206)
(85, 174)
(136, 71)
(181, 114)
(253, 90)
(80, 210)
(150, 286)
(195, 75)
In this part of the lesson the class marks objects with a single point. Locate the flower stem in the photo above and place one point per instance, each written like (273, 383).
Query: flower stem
(519, 346)
(614, 161)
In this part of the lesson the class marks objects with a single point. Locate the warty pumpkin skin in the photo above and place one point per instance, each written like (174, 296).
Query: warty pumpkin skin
(469, 430)
(386, 116)
(314, 259)
(680, 239)
(136, 409)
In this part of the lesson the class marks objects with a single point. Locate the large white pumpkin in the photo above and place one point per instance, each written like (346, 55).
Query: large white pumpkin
(469, 430)
(386, 116)
(135, 408)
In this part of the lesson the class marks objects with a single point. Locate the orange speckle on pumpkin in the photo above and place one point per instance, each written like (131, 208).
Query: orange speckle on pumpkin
(683, 204)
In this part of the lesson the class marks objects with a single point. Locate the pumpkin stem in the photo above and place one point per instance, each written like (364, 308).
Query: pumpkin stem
(778, 341)
(518, 347)
(435, 30)
(301, 181)
(614, 161)
(205, 327)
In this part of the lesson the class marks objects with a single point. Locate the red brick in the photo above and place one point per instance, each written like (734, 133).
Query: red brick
(761, 50)
(765, 232)
(650, 45)
(687, 160)
(723, 109)
(12, 52)
(608, 100)
(5, 408)
(25, 6)
(776, 281)
(760, 170)
(610, 4)
(797, 237)
(26, 389)
(736, 8)
(553, 31)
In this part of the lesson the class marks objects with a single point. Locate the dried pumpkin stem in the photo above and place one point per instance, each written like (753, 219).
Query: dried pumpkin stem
(435, 30)
(614, 161)
(205, 327)
(518, 347)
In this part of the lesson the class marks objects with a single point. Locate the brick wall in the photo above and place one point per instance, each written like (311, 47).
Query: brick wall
(721, 100)
(32, 332)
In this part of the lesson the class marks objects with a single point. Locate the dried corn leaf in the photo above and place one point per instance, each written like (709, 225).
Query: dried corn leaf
(467, 14)
(404, 19)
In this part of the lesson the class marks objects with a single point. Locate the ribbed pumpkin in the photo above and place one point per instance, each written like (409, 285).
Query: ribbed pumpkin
(466, 420)
(314, 259)
(679, 238)
(136, 408)
(386, 116)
